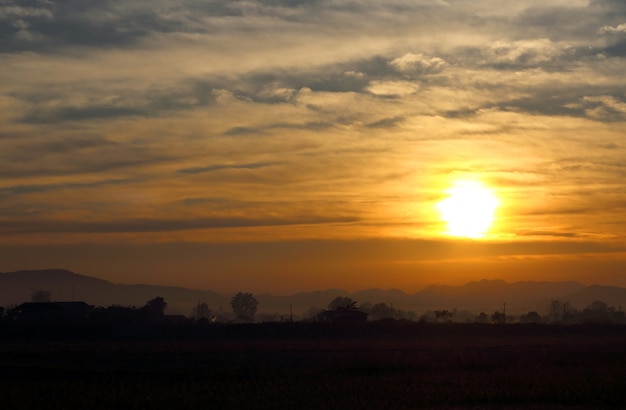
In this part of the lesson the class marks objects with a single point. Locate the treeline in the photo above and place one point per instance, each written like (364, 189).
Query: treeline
(557, 312)
(244, 306)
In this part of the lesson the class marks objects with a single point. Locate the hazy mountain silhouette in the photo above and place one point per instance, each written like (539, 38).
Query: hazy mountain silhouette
(485, 295)
(611, 295)
(300, 302)
(17, 287)
(395, 296)
(489, 295)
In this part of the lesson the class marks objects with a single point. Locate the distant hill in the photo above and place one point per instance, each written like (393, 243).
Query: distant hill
(395, 296)
(479, 296)
(300, 302)
(17, 287)
(490, 295)
(611, 295)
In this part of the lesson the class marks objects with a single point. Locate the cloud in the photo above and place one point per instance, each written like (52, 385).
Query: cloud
(525, 53)
(57, 25)
(359, 102)
(619, 29)
(210, 168)
(393, 88)
(418, 63)
(615, 37)
(604, 107)
(386, 123)
(158, 225)
(36, 188)
(81, 114)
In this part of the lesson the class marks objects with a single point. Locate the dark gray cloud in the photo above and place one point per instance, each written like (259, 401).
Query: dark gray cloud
(312, 126)
(45, 26)
(552, 234)
(50, 144)
(36, 161)
(386, 122)
(618, 49)
(55, 105)
(609, 7)
(557, 23)
(225, 202)
(159, 225)
(38, 25)
(221, 167)
(280, 86)
(93, 112)
(236, 131)
(14, 190)
(599, 102)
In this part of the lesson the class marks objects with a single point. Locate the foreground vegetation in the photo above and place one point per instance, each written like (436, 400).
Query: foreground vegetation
(387, 364)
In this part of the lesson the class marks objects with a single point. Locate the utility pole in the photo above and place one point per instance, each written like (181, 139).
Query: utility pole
(504, 312)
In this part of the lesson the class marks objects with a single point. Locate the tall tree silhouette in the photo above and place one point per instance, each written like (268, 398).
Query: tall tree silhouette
(244, 306)
(155, 307)
(340, 302)
(202, 311)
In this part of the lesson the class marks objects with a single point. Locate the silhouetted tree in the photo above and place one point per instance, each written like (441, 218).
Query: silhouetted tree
(340, 302)
(155, 308)
(244, 306)
(482, 318)
(530, 317)
(41, 296)
(380, 311)
(498, 317)
(598, 306)
(202, 311)
(560, 311)
(600, 312)
(344, 314)
(443, 315)
(555, 310)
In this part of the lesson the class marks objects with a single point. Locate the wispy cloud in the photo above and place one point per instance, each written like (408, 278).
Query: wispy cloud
(189, 115)
(210, 168)
(157, 225)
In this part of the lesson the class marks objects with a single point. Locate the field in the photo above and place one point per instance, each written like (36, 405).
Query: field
(307, 366)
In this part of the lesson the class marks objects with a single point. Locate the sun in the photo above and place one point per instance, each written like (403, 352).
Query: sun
(469, 209)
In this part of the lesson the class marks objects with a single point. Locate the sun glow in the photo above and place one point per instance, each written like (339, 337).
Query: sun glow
(469, 209)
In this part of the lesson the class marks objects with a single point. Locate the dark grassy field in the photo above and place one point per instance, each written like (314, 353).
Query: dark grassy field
(300, 366)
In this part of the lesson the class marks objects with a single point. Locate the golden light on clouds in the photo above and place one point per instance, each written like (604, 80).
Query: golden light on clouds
(324, 125)
(469, 209)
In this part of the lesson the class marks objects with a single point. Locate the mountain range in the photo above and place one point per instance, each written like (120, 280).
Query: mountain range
(478, 296)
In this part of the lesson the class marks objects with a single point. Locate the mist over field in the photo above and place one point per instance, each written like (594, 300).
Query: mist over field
(475, 297)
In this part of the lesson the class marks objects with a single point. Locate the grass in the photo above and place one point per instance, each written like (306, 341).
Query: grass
(406, 366)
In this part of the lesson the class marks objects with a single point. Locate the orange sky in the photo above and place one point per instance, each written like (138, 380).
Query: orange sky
(283, 146)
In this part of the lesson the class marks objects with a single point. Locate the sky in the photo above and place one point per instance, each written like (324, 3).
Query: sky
(284, 145)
